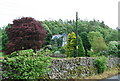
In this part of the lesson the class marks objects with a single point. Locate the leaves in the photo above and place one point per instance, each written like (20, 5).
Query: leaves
(100, 64)
(26, 65)
(25, 32)
(71, 46)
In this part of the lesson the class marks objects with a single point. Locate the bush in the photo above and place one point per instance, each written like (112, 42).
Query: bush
(71, 47)
(45, 52)
(113, 48)
(91, 53)
(62, 49)
(26, 64)
(54, 47)
(100, 64)
(58, 54)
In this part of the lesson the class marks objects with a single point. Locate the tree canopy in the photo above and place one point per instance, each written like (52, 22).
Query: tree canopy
(25, 33)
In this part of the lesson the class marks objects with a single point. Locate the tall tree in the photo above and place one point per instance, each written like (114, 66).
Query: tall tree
(25, 33)
(85, 41)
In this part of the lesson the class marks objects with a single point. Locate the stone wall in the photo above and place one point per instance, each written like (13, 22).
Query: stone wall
(76, 67)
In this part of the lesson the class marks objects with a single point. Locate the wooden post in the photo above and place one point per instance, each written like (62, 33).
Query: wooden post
(76, 34)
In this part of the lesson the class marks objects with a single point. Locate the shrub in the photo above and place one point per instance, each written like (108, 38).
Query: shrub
(26, 33)
(58, 54)
(62, 49)
(54, 47)
(45, 52)
(113, 48)
(91, 53)
(25, 64)
(71, 46)
(100, 64)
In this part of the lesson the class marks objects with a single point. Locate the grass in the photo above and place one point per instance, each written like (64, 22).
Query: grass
(109, 73)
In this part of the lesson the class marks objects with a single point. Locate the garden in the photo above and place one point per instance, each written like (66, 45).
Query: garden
(30, 48)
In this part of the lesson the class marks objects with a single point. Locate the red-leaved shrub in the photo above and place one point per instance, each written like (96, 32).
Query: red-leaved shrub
(25, 33)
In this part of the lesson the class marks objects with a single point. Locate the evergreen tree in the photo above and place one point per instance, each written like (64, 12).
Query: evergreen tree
(71, 46)
(86, 42)
(81, 51)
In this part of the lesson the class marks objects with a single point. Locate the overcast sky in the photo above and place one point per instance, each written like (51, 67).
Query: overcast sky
(103, 10)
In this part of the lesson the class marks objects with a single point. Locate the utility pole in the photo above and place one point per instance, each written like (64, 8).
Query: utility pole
(76, 34)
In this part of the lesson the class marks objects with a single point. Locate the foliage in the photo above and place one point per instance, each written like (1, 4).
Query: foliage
(58, 54)
(112, 35)
(113, 48)
(100, 64)
(92, 28)
(49, 32)
(45, 52)
(62, 49)
(68, 26)
(81, 51)
(98, 44)
(118, 49)
(92, 34)
(4, 37)
(71, 46)
(25, 64)
(91, 53)
(56, 27)
(85, 41)
(26, 33)
(54, 47)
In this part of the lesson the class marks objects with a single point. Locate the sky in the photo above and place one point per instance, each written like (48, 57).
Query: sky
(103, 10)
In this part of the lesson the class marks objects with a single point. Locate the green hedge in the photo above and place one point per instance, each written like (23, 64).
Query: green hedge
(26, 64)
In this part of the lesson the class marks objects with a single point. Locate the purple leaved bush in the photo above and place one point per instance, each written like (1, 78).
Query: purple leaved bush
(26, 33)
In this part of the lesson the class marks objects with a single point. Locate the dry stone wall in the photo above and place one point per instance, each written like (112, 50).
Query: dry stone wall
(76, 67)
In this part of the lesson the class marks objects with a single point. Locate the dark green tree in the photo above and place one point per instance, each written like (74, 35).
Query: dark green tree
(4, 37)
(81, 51)
(86, 42)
